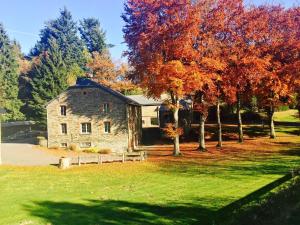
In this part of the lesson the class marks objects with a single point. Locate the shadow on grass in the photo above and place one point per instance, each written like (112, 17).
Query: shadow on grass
(118, 212)
(226, 214)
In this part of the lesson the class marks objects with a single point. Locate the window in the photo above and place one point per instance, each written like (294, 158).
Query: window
(143, 121)
(86, 128)
(154, 121)
(107, 127)
(63, 128)
(63, 145)
(63, 110)
(106, 107)
(85, 144)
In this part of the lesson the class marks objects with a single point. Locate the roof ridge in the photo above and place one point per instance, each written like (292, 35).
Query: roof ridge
(108, 89)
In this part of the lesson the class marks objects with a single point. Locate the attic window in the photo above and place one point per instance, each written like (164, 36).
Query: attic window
(106, 108)
(63, 110)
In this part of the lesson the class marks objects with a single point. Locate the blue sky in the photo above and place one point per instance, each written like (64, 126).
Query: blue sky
(24, 19)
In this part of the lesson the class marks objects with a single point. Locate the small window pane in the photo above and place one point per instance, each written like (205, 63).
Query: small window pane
(64, 128)
(106, 127)
(106, 108)
(63, 110)
(63, 145)
(86, 128)
(85, 144)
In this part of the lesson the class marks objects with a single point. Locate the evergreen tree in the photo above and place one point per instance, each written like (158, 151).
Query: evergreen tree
(92, 35)
(48, 79)
(64, 31)
(9, 78)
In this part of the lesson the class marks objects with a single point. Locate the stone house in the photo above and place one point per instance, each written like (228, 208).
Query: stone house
(150, 110)
(91, 115)
(156, 113)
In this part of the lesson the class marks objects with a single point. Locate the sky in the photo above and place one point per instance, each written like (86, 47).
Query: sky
(23, 20)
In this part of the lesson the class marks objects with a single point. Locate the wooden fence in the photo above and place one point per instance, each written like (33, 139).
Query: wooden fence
(99, 159)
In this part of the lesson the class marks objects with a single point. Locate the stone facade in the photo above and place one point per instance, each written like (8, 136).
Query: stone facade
(98, 106)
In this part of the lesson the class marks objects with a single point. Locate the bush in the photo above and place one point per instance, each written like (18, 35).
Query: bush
(73, 147)
(105, 151)
(91, 150)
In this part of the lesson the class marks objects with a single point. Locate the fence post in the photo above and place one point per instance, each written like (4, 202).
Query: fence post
(99, 159)
(79, 161)
(123, 157)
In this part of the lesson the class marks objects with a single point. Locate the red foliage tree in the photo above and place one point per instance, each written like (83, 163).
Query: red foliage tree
(161, 38)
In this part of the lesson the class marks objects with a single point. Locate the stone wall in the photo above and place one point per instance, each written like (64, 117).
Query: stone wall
(85, 105)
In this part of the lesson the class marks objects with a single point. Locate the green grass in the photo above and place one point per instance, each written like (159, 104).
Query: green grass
(287, 116)
(172, 191)
(182, 192)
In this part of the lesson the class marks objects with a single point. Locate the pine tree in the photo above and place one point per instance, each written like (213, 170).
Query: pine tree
(49, 79)
(9, 78)
(64, 31)
(92, 35)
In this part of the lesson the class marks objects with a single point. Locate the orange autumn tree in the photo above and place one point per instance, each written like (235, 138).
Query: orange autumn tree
(275, 88)
(161, 38)
(245, 65)
(211, 46)
(292, 69)
(110, 74)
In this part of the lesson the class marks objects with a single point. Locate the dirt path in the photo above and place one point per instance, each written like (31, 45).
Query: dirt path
(24, 153)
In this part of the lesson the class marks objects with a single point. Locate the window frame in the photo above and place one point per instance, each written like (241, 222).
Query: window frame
(63, 110)
(106, 107)
(84, 126)
(64, 145)
(64, 128)
(107, 129)
(86, 144)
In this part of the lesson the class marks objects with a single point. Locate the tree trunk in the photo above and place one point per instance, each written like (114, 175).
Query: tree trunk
(219, 145)
(202, 128)
(271, 122)
(176, 139)
(202, 133)
(239, 118)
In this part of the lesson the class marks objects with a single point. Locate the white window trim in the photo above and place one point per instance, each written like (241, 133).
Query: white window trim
(85, 133)
(61, 130)
(108, 107)
(105, 127)
(85, 146)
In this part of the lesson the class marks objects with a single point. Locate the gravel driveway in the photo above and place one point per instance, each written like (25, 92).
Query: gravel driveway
(24, 153)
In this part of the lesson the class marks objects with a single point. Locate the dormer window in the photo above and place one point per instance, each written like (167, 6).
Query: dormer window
(63, 110)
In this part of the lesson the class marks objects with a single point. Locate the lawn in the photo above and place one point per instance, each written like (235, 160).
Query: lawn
(291, 115)
(192, 189)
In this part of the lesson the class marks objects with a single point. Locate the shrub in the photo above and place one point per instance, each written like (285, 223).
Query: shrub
(91, 150)
(105, 151)
(73, 147)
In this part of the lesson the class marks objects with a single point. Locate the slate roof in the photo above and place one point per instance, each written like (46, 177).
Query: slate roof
(143, 100)
(88, 83)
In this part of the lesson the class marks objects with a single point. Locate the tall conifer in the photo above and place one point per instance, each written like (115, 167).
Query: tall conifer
(49, 79)
(9, 78)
